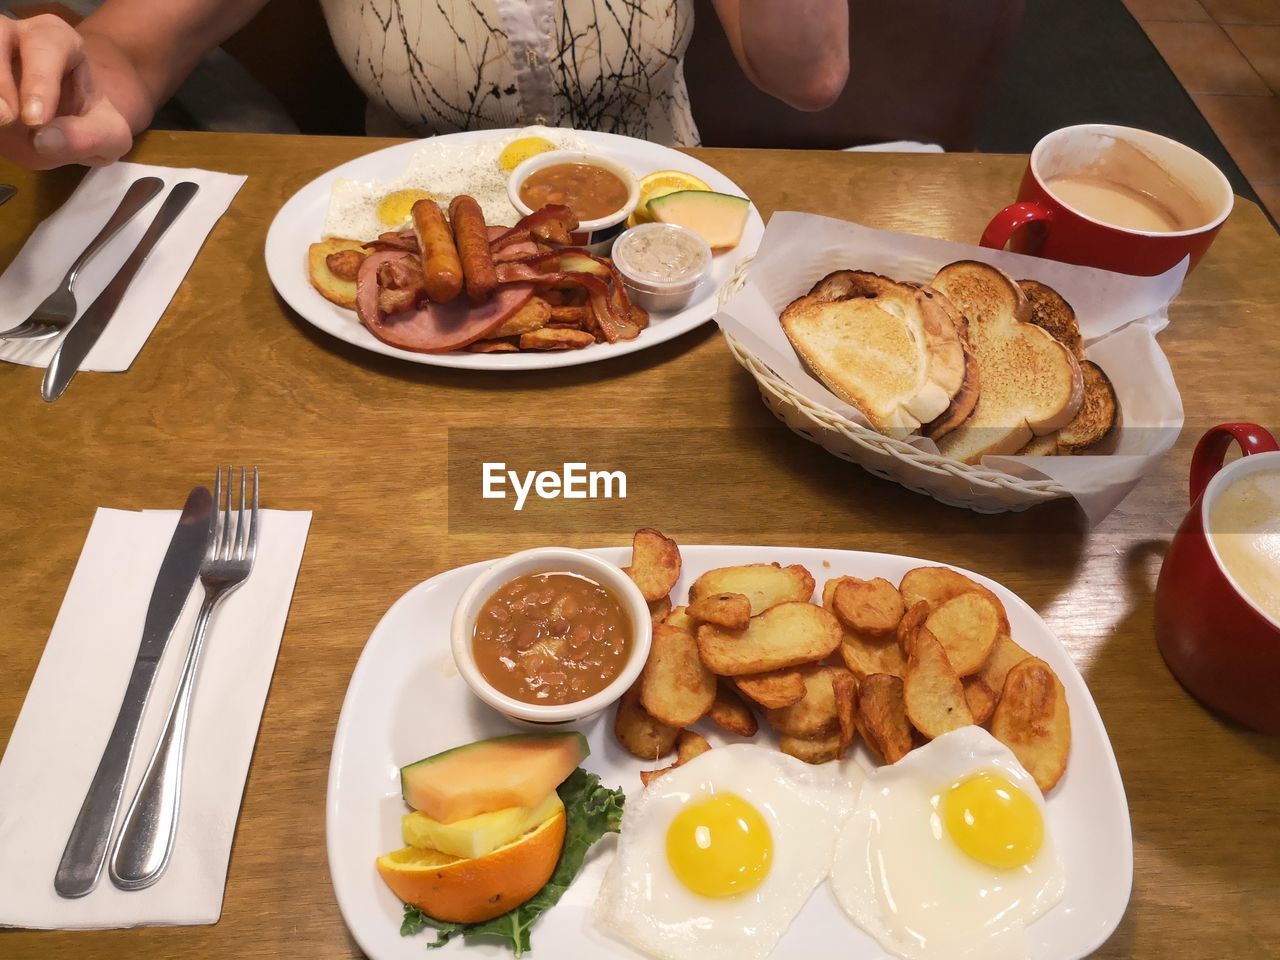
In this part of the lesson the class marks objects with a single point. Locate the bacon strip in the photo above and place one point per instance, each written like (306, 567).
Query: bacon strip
(616, 316)
(554, 223)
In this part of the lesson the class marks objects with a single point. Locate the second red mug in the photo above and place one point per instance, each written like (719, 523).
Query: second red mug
(1042, 224)
(1221, 645)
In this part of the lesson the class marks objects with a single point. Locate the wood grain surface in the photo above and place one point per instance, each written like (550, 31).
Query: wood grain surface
(232, 375)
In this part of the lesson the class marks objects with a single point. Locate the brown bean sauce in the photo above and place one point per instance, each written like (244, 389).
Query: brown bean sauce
(551, 638)
(591, 192)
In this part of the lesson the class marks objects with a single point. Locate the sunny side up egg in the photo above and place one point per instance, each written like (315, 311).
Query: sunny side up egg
(948, 855)
(717, 856)
(360, 210)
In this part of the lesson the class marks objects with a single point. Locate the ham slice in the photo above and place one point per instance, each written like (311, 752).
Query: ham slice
(433, 328)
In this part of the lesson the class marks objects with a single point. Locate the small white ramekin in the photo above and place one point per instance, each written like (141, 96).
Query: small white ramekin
(549, 560)
(596, 235)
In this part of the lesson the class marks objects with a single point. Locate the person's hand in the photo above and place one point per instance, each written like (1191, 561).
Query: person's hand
(52, 110)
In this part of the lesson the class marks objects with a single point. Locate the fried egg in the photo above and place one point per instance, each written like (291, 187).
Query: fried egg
(948, 855)
(717, 856)
(362, 209)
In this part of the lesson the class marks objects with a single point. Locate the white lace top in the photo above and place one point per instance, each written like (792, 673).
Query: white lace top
(439, 66)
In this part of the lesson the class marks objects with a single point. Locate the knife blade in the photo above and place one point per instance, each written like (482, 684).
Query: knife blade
(86, 848)
(84, 333)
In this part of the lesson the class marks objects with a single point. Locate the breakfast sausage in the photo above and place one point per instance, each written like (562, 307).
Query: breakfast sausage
(441, 268)
(472, 238)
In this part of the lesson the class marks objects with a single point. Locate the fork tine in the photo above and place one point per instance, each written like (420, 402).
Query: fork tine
(224, 540)
(212, 550)
(240, 519)
(253, 520)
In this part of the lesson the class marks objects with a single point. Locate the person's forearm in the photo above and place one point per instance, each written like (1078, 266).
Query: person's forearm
(795, 50)
(142, 50)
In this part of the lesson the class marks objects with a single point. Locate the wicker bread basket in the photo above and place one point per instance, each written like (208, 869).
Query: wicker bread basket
(947, 481)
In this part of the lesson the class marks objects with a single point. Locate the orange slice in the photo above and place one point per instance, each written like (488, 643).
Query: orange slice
(458, 890)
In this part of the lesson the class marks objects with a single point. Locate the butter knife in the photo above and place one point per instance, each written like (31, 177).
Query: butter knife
(86, 849)
(84, 333)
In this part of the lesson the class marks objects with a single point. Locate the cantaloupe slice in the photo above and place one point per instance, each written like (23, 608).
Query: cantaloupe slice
(520, 770)
(716, 217)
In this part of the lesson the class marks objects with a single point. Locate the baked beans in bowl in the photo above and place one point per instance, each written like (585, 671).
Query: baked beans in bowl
(551, 635)
(600, 191)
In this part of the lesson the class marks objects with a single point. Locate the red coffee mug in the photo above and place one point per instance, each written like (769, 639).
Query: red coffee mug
(1042, 225)
(1219, 644)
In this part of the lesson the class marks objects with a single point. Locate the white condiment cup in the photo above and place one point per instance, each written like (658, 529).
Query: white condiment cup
(649, 290)
(596, 235)
(550, 560)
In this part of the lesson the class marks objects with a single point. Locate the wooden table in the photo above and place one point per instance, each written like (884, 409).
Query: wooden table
(231, 375)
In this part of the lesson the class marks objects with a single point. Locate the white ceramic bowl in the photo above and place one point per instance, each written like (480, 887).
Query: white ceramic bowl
(550, 560)
(597, 235)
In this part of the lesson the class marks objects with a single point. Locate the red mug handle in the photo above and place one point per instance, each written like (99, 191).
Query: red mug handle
(1003, 224)
(1213, 447)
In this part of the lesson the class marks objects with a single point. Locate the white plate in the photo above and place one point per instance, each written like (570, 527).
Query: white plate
(406, 701)
(300, 220)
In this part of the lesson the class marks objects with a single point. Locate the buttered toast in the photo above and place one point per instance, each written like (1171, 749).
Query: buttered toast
(888, 348)
(1031, 384)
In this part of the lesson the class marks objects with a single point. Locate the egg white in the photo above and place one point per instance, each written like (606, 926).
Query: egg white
(900, 876)
(444, 170)
(642, 901)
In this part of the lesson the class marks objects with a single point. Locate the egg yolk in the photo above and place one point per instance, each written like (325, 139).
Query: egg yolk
(518, 151)
(720, 846)
(394, 208)
(993, 821)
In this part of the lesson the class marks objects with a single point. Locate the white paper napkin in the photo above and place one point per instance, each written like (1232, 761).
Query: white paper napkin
(43, 260)
(76, 693)
(1119, 317)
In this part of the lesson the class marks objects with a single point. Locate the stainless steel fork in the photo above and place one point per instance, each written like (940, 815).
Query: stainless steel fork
(146, 839)
(59, 308)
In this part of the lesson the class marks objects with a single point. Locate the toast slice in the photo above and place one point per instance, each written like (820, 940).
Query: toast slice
(883, 346)
(966, 397)
(1031, 383)
(1099, 410)
(1098, 416)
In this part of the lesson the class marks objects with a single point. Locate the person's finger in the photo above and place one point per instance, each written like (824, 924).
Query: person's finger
(100, 135)
(48, 50)
(8, 88)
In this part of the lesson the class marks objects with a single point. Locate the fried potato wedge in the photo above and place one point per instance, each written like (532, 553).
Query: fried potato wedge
(844, 687)
(785, 635)
(556, 338)
(492, 346)
(777, 688)
(864, 657)
(679, 618)
(814, 714)
(1032, 720)
(1005, 655)
(821, 750)
(327, 283)
(655, 563)
(534, 315)
(881, 716)
(981, 701)
(688, 746)
(729, 610)
(675, 687)
(764, 584)
(931, 691)
(967, 627)
(936, 585)
(730, 712)
(640, 734)
(658, 609)
(869, 607)
(912, 620)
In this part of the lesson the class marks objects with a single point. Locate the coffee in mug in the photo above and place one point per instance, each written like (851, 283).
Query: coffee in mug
(1244, 524)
